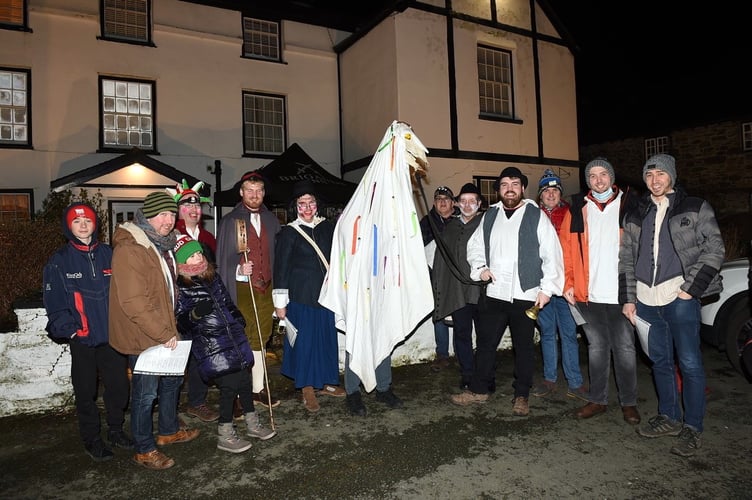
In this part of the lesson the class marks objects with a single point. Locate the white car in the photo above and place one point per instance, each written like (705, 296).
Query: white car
(723, 316)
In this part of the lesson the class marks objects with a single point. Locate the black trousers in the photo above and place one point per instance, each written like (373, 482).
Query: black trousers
(87, 365)
(231, 386)
(493, 318)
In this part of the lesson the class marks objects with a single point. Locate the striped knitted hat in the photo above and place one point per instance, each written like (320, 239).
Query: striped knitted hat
(157, 202)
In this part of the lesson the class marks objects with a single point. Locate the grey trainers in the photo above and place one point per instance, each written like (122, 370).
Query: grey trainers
(658, 426)
(255, 429)
(688, 444)
(228, 440)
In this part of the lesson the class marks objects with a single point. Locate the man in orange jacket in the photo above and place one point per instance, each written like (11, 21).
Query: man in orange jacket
(590, 236)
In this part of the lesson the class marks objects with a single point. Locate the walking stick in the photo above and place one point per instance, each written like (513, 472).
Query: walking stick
(243, 247)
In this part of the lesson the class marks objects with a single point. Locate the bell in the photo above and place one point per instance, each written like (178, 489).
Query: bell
(532, 313)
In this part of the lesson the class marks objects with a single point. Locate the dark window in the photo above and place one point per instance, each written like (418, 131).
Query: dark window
(126, 20)
(13, 14)
(261, 39)
(495, 85)
(16, 205)
(264, 126)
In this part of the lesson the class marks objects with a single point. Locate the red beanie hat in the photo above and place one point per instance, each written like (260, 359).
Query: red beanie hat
(80, 210)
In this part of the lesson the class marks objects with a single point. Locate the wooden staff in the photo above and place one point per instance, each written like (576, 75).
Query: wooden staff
(242, 239)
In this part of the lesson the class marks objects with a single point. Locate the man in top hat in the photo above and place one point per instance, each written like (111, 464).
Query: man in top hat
(247, 270)
(452, 295)
(441, 213)
(518, 251)
(556, 316)
(143, 294)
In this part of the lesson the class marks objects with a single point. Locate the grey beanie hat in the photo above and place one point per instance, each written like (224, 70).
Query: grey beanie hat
(664, 162)
(599, 162)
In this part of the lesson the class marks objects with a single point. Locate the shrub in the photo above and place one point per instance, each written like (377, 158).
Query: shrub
(27, 245)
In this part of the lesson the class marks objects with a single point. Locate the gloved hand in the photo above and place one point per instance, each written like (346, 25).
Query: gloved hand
(201, 309)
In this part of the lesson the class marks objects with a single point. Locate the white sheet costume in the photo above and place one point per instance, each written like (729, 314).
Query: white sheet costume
(378, 284)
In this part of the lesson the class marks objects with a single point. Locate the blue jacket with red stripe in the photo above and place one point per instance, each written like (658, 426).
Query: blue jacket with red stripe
(76, 289)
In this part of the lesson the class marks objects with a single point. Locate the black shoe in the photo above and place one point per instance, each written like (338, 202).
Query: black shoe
(355, 404)
(119, 439)
(464, 385)
(388, 398)
(98, 451)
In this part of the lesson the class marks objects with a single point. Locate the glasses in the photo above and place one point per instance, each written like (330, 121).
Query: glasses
(303, 206)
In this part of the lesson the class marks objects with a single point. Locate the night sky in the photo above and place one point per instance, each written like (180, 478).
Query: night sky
(645, 66)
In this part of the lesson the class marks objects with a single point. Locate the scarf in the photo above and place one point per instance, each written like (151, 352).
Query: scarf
(163, 243)
(192, 270)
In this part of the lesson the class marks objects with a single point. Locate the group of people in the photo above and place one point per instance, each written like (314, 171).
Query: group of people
(603, 260)
(589, 258)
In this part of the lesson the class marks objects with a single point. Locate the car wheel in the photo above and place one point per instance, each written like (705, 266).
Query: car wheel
(732, 329)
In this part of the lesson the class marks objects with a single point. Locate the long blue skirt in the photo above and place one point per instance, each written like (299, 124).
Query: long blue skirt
(315, 358)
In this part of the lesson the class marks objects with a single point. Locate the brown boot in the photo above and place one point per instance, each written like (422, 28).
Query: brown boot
(309, 399)
(590, 410)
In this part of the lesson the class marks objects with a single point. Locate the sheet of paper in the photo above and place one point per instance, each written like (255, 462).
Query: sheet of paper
(292, 332)
(161, 360)
(577, 315)
(643, 329)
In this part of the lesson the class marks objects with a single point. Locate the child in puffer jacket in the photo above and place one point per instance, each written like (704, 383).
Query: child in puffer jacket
(206, 315)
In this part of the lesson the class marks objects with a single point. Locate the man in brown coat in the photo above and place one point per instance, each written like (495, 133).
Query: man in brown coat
(142, 304)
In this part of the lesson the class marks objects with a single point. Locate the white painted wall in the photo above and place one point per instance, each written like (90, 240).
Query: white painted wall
(35, 372)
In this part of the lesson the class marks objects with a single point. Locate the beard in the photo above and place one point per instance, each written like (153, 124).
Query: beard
(512, 201)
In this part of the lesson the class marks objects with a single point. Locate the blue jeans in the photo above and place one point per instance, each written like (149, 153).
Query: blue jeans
(441, 336)
(677, 326)
(557, 316)
(609, 332)
(144, 392)
(383, 376)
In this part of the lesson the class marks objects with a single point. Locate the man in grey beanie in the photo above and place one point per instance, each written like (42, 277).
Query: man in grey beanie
(663, 273)
(590, 237)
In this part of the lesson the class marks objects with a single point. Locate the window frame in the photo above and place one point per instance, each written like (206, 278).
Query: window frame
(747, 136)
(115, 37)
(253, 153)
(28, 144)
(485, 184)
(16, 192)
(655, 145)
(484, 113)
(246, 42)
(111, 148)
(23, 25)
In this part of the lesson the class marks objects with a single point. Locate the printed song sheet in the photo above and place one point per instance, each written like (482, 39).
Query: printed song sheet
(161, 360)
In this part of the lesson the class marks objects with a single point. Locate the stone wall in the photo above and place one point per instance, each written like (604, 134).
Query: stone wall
(35, 372)
(710, 162)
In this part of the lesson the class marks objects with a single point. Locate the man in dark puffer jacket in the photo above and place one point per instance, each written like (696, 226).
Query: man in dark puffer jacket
(670, 256)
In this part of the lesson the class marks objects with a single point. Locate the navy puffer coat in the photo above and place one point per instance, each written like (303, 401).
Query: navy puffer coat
(219, 342)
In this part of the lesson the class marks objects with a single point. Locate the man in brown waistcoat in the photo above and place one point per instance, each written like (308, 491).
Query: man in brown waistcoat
(237, 268)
